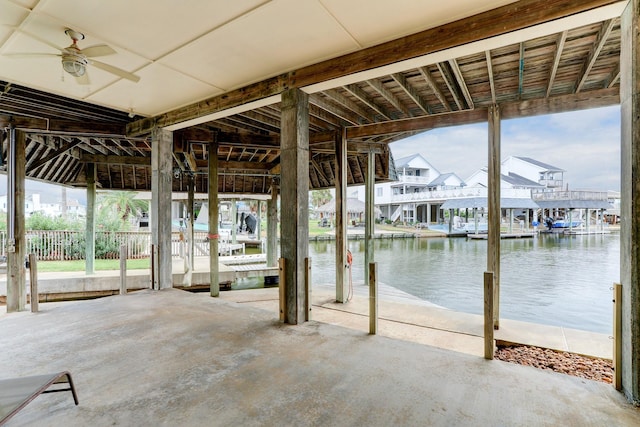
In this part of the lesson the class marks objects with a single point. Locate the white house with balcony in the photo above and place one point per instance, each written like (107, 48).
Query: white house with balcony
(547, 176)
(417, 194)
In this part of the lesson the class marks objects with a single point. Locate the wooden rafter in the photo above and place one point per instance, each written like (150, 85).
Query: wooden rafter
(63, 149)
(356, 91)
(492, 84)
(335, 95)
(412, 92)
(341, 113)
(449, 80)
(603, 35)
(389, 96)
(562, 38)
(426, 75)
(457, 73)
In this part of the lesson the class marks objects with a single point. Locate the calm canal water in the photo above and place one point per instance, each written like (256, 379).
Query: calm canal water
(550, 279)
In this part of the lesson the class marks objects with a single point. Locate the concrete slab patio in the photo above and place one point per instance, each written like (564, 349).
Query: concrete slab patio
(176, 358)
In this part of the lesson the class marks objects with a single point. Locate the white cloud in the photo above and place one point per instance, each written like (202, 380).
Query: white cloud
(584, 143)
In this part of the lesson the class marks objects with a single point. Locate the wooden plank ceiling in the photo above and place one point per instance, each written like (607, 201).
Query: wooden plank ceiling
(574, 69)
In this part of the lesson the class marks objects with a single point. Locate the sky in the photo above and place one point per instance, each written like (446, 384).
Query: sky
(586, 144)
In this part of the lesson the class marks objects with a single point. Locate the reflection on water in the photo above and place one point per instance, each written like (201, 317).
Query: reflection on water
(552, 279)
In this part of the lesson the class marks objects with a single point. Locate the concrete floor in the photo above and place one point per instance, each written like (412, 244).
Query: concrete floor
(179, 359)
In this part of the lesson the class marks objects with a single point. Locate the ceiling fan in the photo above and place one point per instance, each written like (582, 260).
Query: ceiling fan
(76, 60)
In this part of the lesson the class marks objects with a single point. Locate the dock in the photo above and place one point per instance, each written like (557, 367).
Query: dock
(60, 286)
(502, 236)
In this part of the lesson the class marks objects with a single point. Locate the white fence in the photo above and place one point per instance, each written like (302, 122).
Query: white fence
(60, 245)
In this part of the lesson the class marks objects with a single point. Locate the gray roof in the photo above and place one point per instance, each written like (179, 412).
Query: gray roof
(520, 181)
(481, 202)
(440, 180)
(574, 204)
(403, 161)
(540, 164)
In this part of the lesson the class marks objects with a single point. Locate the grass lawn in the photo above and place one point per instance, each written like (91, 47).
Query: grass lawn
(100, 264)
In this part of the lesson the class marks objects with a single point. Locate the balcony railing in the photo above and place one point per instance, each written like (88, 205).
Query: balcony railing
(571, 195)
(458, 193)
(410, 179)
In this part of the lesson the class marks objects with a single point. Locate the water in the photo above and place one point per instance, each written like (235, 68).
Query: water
(551, 279)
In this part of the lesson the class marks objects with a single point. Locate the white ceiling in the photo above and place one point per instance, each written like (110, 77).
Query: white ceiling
(188, 50)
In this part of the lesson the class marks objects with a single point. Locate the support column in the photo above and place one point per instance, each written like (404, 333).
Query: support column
(188, 223)
(161, 182)
(493, 236)
(630, 203)
(214, 266)
(90, 236)
(342, 291)
(295, 200)
(369, 221)
(16, 282)
(272, 226)
(234, 221)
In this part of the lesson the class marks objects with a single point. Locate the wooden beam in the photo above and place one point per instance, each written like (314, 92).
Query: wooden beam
(502, 20)
(114, 160)
(62, 126)
(487, 55)
(521, 71)
(319, 101)
(349, 104)
(562, 38)
(63, 149)
(389, 96)
(607, 26)
(560, 104)
(449, 80)
(455, 68)
(356, 91)
(411, 91)
(424, 71)
(419, 123)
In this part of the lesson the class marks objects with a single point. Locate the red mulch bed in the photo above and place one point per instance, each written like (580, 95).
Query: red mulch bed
(558, 361)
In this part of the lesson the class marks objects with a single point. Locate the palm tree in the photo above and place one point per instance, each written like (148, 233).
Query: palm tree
(124, 202)
(320, 197)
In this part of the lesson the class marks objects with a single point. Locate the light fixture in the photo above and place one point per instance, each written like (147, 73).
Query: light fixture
(74, 65)
(73, 61)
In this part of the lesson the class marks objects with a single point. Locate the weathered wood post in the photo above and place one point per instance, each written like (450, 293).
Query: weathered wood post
(307, 284)
(341, 216)
(16, 283)
(493, 199)
(488, 315)
(630, 202)
(123, 269)
(161, 183)
(272, 225)
(90, 236)
(282, 288)
(33, 283)
(617, 336)
(214, 237)
(373, 298)
(294, 194)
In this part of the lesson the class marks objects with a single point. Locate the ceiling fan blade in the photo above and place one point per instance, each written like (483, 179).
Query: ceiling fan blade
(98, 50)
(83, 79)
(115, 70)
